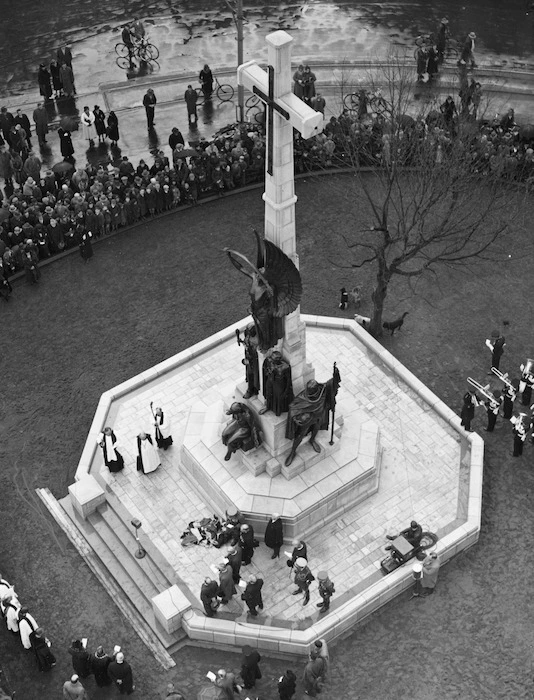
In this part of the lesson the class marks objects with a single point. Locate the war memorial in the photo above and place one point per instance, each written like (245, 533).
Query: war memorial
(359, 449)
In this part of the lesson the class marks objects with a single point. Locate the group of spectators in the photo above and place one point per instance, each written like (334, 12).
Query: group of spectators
(46, 213)
(57, 78)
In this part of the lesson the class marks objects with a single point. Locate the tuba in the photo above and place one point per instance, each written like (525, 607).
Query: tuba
(526, 370)
(520, 425)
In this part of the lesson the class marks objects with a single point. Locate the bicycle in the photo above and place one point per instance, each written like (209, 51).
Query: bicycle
(373, 100)
(224, 92)
(141, 49)
(254, 109)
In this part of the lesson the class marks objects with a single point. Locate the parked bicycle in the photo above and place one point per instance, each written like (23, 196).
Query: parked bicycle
(223, 91)
(374, 101)
(141, 50)
(254, 110)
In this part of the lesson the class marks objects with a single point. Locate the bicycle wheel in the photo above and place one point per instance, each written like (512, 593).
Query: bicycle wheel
(123, 62)
(377, 104)
(152, 52)
(252, 101)
(121, 50)
(352, 101)
(225, 92)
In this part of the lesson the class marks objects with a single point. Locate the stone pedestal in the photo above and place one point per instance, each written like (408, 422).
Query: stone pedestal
(86, 495)
(169, 607)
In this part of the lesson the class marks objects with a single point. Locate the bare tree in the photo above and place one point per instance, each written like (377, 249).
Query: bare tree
(435, 192)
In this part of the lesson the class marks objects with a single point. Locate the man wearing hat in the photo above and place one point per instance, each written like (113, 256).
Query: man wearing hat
(467, 413)
(302, 579)
(467, 57)
(326, 590)
(74, 690)
(250, 669)
(120, 673)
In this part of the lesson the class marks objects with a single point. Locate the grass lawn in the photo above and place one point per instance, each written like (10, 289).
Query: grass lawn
(162, 286)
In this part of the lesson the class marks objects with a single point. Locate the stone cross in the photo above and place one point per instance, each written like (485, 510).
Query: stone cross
(285, 112)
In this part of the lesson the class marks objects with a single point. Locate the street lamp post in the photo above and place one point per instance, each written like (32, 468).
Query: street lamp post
(237, 13)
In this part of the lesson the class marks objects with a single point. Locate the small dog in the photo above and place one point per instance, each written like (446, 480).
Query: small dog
(396, 324)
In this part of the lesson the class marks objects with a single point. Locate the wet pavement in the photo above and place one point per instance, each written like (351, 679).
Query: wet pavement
(325, 34)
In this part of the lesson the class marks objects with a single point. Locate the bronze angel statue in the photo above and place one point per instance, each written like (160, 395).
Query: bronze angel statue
(275, 291)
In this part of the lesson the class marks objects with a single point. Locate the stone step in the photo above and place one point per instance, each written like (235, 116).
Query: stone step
(119, 517)
(126, 571)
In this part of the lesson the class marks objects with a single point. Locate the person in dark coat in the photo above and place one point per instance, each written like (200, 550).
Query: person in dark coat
(191, 98)
(498, 341)
(113, 128)
(67, 79)
(235, 557)
(252, 595)
(287, 685)
(246, 542)
(300, 549)
(149, 102)
(30, 263)
(56, 80)
(175, 138)
(120, 673)
(227, 589)
(313, 673)
(40, 117)
(43, 79)
(85, 246)
(99, 663)
(205, 78)
(40, 645)
(468, 408)
(7, 122)
(208, 594)
(22, 119)
(81, 659)
(250, 669)
(100, 123)
(274, 534)
(65, 144)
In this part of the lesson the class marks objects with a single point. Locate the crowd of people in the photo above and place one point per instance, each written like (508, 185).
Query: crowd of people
(106, 668)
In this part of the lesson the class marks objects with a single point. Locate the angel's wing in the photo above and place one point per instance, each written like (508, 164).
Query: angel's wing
(284, 278)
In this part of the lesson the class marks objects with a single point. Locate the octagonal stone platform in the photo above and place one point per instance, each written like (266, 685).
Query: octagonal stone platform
(430, 470)
(313, 491)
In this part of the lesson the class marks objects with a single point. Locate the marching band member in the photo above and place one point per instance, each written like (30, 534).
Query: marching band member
(520, 433)
(496, 345)
(526, 383)
(492, 409)
(510, 394)
(467, 413)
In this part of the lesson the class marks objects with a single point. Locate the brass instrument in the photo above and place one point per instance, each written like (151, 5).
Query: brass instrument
(526, 374)
(519, 425)
(484, 390)
(504, 378)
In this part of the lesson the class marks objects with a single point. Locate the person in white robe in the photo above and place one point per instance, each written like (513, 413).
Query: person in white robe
(11, 607)
(27, 625)
(147, 456)
(113, 459)
(88, 126)
(162, 429)
(6, 589)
